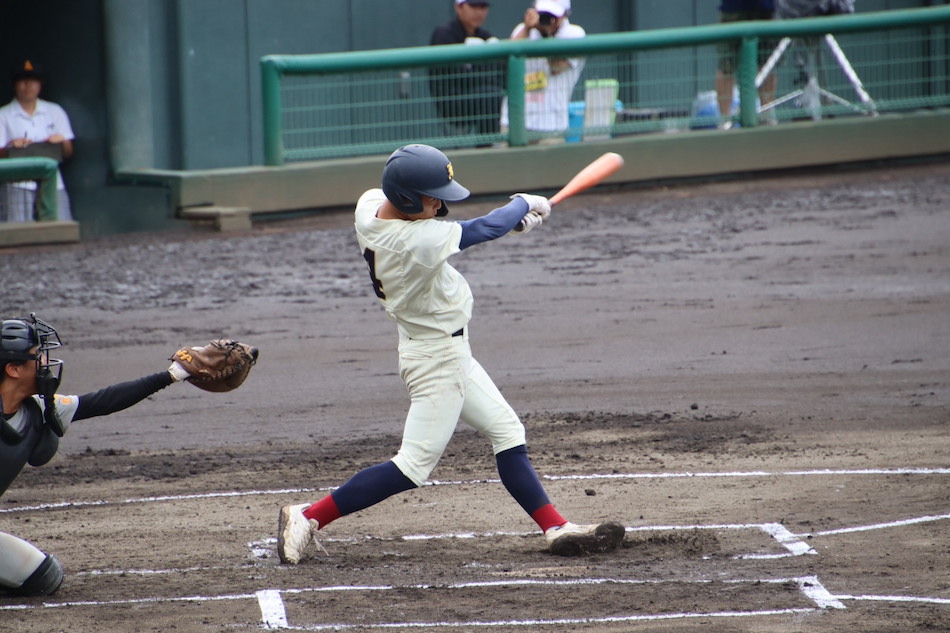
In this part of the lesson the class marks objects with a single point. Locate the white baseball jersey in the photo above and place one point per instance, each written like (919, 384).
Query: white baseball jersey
(421, 292)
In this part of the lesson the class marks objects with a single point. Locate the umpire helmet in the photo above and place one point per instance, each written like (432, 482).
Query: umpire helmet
(420, 170)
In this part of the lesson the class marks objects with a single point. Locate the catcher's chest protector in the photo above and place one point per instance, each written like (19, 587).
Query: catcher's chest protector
(24, 438)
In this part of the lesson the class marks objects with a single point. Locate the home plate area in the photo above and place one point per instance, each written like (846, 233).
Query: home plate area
(729, 575)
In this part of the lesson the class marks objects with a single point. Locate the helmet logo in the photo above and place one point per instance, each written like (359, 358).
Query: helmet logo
(451, 171)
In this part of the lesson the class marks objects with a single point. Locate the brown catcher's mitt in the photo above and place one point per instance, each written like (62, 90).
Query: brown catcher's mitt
(221, 365)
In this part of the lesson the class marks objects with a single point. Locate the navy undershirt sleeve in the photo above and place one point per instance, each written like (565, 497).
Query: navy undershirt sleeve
(492, 225)
(120, 396)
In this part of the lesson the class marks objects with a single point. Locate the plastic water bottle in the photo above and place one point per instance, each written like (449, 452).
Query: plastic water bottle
(575, 118)
(705, 111)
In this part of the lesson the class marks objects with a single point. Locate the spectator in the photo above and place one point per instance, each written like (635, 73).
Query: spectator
(549, 83)
(30, 121)
(468, 97)
(735, 11)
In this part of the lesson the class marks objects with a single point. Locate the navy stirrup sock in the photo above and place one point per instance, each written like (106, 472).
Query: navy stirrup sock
(370, 486)
(520, 478)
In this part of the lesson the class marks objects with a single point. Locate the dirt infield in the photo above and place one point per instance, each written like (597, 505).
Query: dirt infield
(752, 375)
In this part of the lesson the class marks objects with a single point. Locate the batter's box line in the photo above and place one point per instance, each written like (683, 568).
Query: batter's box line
(274, 614)
(263, 548)
(781, 534)
(793, 543)
(595, 476)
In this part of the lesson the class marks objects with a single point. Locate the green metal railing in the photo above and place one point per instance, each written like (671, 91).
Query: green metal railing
(41, 170)
(369, 102)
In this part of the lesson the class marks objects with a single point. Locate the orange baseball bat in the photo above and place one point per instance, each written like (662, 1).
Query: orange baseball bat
(591, 175)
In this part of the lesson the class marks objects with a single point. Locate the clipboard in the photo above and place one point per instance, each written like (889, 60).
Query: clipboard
(42, 150)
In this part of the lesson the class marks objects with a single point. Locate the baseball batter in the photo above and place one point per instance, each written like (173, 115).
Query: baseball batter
(407, 250)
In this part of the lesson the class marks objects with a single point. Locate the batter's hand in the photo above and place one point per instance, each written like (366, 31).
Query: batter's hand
(528, 222)
(536, 204)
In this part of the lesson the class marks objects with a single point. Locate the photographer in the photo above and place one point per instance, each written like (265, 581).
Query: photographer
(549, 83)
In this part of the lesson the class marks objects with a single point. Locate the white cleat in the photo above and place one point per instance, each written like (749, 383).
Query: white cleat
(294, 533)
(576, 540)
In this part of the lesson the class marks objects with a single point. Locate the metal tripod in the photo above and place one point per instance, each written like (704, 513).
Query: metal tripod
(811, 93)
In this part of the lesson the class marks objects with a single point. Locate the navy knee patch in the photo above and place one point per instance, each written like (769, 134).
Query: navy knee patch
(44, 581)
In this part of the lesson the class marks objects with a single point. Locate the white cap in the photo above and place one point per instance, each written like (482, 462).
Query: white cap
(557, 8)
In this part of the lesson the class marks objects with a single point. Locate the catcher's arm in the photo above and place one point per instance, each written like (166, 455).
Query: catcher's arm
(119, 396)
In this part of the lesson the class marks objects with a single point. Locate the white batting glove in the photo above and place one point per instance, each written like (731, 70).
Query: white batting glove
(528, 222)
(536, 204)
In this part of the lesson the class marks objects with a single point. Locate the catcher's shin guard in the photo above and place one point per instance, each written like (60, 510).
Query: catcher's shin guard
(44, 581)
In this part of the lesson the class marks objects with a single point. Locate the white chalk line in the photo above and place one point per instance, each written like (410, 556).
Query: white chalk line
(879, 526)
(896, 599)
(263, 548)
(285, 491)
(787, 539)
(111, 603)
(558, 621)
(273, 612)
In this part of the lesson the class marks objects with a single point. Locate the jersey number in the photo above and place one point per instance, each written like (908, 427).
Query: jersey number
(370, 257)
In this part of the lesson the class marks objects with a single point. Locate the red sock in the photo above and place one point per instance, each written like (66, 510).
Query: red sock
(324, 511)
(547, 517)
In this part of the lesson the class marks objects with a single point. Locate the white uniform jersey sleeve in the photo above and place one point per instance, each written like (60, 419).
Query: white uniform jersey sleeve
(408, 264)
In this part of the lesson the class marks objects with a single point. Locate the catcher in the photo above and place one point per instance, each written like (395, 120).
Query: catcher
(34, 417)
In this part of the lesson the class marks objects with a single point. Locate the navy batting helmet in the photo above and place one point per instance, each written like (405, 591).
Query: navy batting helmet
(420, 170)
